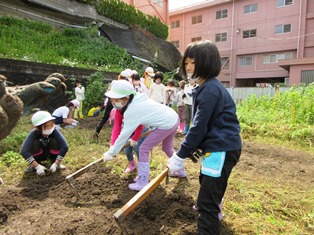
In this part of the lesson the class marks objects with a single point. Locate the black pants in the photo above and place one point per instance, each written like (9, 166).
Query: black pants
(45, 149)
(105, 118)
(210, 195)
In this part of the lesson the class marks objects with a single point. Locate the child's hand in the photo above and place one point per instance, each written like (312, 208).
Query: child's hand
(133, 143)
(107, 157)
(175, 164)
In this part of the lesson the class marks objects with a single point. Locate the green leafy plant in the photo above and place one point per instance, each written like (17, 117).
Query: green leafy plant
(32, 41)
(286, 116)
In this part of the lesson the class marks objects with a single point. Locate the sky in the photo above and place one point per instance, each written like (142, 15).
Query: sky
(174, 4)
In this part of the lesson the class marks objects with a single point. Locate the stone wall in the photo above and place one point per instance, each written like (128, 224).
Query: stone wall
(24, 72)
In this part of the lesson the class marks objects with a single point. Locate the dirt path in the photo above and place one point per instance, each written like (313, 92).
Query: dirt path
(47, 205)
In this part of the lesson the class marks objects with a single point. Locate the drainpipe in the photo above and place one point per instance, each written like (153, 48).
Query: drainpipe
(183, 31)
(231, 60)
(299, 31)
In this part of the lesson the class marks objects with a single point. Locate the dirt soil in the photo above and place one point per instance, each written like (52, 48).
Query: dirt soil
(48, 205)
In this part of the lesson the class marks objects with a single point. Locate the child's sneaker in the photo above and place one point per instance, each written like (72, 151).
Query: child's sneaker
(131, 167)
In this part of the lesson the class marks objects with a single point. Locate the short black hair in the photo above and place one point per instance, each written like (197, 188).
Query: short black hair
(160, 75)
(135, 76)
(206, 58)
(78, 81)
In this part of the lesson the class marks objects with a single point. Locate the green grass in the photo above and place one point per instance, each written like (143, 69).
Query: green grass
(254, 203)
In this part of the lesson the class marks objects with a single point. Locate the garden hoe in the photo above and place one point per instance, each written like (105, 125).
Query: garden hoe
(121, 214)
(71, 178)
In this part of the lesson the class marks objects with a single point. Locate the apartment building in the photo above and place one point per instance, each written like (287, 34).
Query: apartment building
(158, 8)
(260, 41)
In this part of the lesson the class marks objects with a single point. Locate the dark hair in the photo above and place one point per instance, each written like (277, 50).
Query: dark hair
(127, 104)
(123, 78)
(160, 75)
(78, 81)
(135, 76)
(206, 58)
(182, 84)
(170, 82)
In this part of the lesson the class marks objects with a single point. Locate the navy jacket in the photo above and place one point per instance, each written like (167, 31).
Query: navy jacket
(215, 126)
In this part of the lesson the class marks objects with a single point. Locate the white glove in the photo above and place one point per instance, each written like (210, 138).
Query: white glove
(53, 167)
(175, 163)
(107, 157)
(74, 124)
(40, 170)
(133, 143)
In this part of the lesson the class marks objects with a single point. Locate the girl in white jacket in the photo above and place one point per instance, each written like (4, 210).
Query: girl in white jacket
(137, 110)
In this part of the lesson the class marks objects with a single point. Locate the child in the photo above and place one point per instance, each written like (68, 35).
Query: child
(170, 93)
(133, 141)
(215, 130)
(63, 115)
(180, 106)
(147, 79)
(80, 96)
(44, 142)
(95, 111)
(124, 75)
(157, 89)
(138, 109)
(188, 88)
(137, 84)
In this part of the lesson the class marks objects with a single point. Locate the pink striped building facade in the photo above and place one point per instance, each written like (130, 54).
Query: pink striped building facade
(260, 41)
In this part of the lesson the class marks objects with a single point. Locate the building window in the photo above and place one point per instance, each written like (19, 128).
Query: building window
(282, 28)
(282, 3)
(221, 14)
(246, 61)
(159, 2)
(273, 58)
(196, 19)
(196, 39)
(224, 63)
(221, 37)
(307, 76)
(176, 43)
(249, 33)
(250, 8)
(175, 24)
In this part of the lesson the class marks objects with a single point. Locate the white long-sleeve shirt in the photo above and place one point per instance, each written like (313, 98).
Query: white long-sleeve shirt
(79, 93)
(188, 92)
(157, 92)
(143, 111)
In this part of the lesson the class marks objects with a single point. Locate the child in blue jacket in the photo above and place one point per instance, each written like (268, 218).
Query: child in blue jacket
(215, 130)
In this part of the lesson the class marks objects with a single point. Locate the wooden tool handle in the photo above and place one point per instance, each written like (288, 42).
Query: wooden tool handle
(83, 170)
(140, 196)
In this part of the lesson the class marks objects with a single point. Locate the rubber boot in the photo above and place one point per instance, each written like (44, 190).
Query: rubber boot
(143, 176)
(186, 129)
(181, 127)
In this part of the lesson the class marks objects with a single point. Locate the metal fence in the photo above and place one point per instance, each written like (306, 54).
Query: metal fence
(241, 93)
